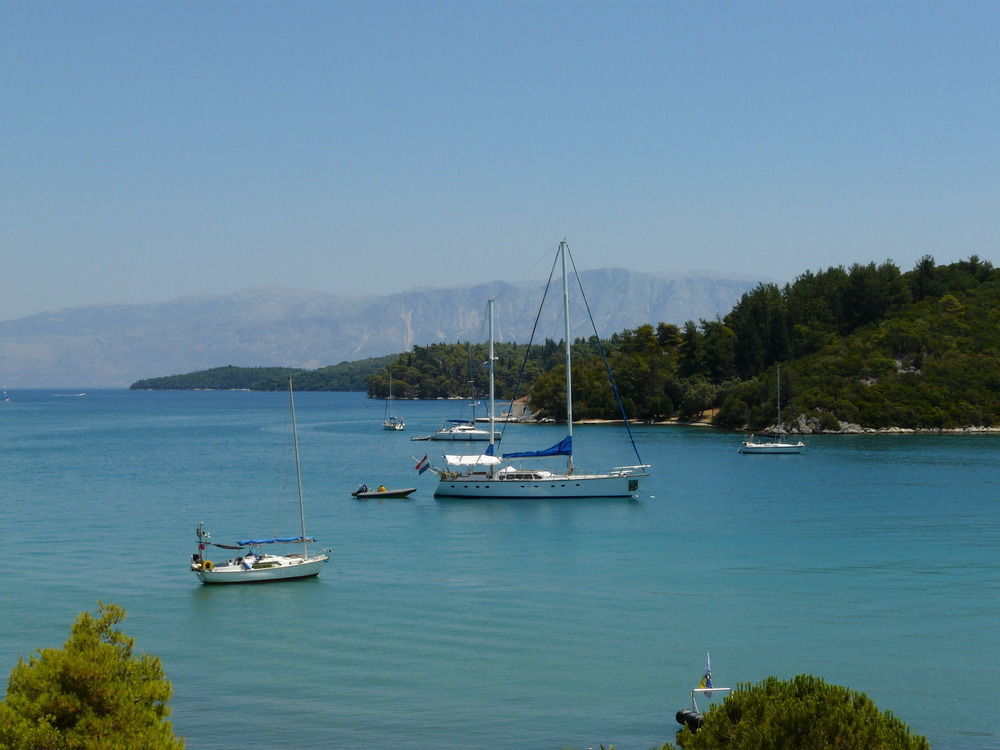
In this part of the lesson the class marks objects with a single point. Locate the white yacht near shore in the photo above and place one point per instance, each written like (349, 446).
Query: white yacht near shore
(777, 443)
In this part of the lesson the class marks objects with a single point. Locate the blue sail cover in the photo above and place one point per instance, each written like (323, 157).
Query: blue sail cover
(275, 540)
(563, 448)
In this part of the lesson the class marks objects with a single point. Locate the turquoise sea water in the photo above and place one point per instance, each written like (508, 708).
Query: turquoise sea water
(870, 561)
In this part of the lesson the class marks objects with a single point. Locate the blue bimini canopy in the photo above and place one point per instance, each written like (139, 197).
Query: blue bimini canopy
(563, 448)
(276, 540)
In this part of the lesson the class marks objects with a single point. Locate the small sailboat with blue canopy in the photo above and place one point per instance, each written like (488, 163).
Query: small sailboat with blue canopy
(487, 475)
(253, 564)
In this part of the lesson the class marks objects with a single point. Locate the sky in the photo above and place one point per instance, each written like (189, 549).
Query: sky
(150, 150)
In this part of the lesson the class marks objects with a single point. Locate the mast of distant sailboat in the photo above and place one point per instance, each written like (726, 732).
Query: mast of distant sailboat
(298, 474)
(489, 307)
(569, 366)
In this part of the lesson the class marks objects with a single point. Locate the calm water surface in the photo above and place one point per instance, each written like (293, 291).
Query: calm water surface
(869, 561)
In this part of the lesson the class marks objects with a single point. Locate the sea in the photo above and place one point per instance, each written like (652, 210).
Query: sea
(871, 561)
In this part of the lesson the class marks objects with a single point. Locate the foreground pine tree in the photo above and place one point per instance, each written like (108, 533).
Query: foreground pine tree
(92, 694)
(804, 713)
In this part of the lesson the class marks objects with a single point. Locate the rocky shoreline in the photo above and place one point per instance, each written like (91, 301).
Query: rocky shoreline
(811, 426)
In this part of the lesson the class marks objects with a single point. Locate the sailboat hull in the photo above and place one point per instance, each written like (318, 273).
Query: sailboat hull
(749, 447)
(539, 487)
(284, 568)
(465, 436)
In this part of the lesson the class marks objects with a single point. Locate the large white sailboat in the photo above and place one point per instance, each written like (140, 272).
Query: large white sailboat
(254, 565)
(487, 476)
(778, 443)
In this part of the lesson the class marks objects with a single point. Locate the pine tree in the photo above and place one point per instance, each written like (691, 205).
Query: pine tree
(92, 694)
(804, 713)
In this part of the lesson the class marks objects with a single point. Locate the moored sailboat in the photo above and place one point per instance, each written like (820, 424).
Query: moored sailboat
(389, 422)
(486, 476)
(465, 430)
(461, 430)
(777, 444)
(254, 565)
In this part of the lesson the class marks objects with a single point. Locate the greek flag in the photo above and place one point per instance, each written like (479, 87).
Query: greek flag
(706, 681)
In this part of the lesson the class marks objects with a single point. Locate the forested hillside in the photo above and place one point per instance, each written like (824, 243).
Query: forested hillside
(347, 376)
(218, 378)
(867, 346)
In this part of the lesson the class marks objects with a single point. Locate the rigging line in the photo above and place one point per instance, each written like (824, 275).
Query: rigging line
(523, 278)
(527, 349)
(604, 356)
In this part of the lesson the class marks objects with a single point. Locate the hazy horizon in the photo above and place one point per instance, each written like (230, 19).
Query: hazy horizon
(164, 149)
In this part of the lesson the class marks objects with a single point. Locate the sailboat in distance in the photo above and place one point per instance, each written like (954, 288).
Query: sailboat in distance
(777, 444)
(486, 476)
(389, 422)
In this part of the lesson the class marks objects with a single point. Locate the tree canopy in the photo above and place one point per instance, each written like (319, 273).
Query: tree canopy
(218, 378)
(92, 694)
(804, 713)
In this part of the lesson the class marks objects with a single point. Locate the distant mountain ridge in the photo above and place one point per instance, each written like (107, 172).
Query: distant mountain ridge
(114, 345)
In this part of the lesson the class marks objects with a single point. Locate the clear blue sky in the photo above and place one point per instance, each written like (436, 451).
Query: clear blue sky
(154, 149)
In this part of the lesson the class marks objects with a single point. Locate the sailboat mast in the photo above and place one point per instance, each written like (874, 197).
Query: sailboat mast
(569, 368)
(780, 430)
(385, 417)
(489, 307)
(298, 473)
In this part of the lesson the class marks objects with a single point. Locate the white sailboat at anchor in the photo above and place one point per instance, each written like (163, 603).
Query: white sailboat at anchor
(776, 445)
(254, 565)
(389, 422)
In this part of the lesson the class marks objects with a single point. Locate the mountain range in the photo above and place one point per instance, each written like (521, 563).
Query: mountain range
(114, 345)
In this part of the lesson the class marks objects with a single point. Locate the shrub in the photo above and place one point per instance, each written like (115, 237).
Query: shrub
(804, 713)
(92, 694)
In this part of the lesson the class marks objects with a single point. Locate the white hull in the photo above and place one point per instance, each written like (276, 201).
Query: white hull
(749, 447)
(542, 486)
(283, 569)
(465, 435)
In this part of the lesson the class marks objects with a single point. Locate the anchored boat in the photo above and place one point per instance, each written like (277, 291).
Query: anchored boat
(254, 565)
(486, 475)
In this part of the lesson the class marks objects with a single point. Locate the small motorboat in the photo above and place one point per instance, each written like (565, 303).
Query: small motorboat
(363, 493)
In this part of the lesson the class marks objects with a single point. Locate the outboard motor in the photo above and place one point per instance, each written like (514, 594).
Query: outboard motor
(690, 718)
